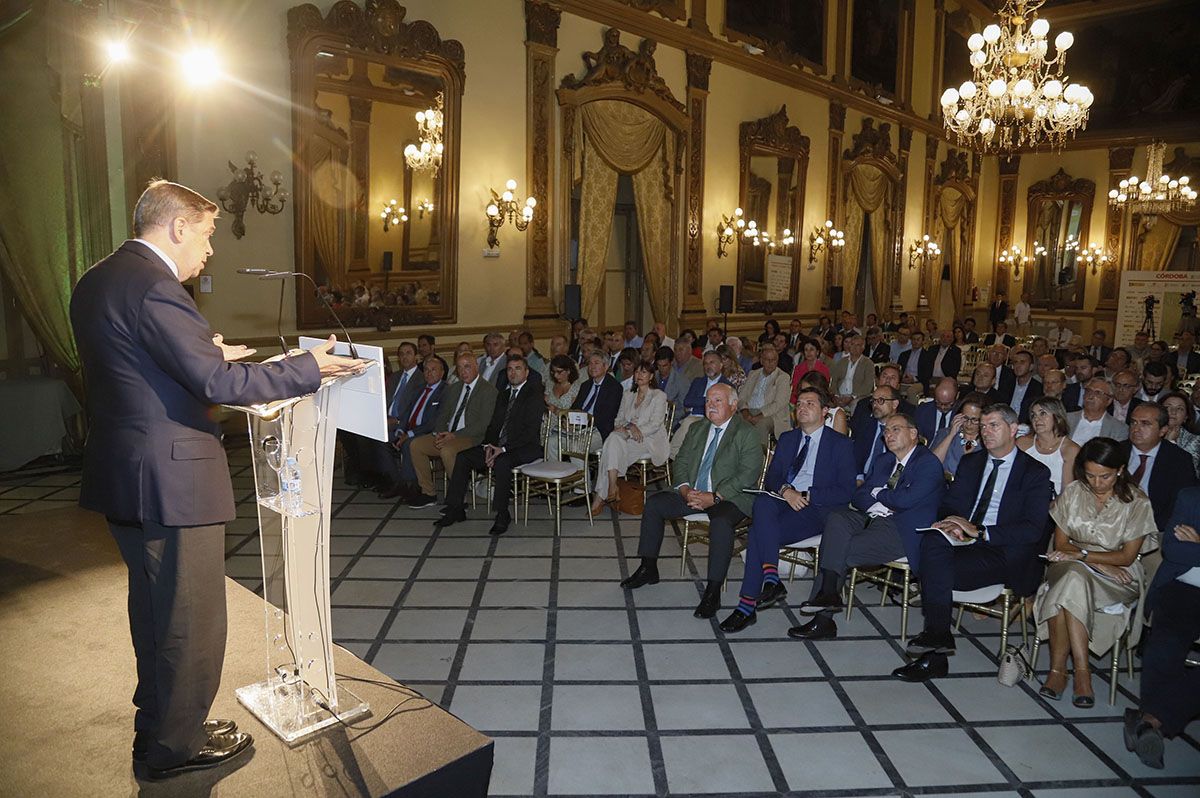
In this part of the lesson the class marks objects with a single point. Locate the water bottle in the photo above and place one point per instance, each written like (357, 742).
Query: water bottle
(289, 486)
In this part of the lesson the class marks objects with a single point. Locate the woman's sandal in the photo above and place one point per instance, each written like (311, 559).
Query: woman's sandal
(1047, 692)
(1083, 701)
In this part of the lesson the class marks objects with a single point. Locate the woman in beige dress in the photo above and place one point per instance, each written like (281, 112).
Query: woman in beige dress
(1093, 576)
(638, 432)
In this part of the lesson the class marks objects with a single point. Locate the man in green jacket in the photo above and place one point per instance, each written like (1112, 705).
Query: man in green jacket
(720, 458)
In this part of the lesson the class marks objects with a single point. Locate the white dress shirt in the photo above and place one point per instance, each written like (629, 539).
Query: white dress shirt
(165, 258)
(462, 422)
(1121, 411)
(804, 477)
(937, 361)
(759, 397)
(1086, 430)
(993, 509)
(879, 509)
(846, 387)
(896, 349)
(1021, 312)
(489, 366)
(1018, 395)
(708, 442)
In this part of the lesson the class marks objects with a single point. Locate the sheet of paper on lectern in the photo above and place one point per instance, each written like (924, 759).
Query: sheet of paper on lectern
(363, 409)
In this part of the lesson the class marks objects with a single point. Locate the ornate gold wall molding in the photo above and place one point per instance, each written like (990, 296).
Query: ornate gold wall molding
(837, 125)
(541, 50)
(1120, 164)
(1006, 210)
(699, 68)
(898, 218)
(671, 9)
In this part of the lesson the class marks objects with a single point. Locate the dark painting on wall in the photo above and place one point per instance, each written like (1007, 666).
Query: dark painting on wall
(956, 58)
(1143, 68)
(794, 27)
(875, 42)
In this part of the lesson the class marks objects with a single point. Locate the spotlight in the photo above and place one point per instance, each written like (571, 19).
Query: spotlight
(117, 50)
(199, 66)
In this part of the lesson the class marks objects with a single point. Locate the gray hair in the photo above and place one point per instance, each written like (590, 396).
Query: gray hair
(1004, 411)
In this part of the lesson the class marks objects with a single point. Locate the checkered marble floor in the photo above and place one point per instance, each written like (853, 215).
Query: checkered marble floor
(591, 690)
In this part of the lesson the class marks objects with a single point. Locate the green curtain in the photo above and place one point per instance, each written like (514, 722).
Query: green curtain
(40, 230)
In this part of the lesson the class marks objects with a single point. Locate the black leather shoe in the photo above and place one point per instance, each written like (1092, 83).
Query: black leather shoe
(772, 593)
(501, 525)
(822, 603)
(644, 575)
(1143, 739)
(928, 666)
(452, 515)
(738, 620)
(422, 500)
(927, 642)
(710, 602)
(141, 741)
(219, 749)
(822, 627)
(397, 490)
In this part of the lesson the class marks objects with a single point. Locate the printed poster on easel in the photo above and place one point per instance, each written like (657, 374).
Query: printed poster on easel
(1163, 303)
(779, 278)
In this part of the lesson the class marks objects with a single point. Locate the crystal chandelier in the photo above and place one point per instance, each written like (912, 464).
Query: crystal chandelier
(1158, 193)
(1016, 97)
(427, 156)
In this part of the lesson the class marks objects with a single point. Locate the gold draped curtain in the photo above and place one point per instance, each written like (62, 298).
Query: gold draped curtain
(329, 209)
(870, 191)
(1159, 244)
(951, 216)
(622, 138)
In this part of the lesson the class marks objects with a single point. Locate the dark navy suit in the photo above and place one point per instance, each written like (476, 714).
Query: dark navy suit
(1072, 397)
(1032, 391)
(393, 459)
(155, 467)
(914, 501)
(694, 400)
(927, 420)
(1173, 471)
(864, 437)
(1013, 544)
(775, 523)
(604, 410)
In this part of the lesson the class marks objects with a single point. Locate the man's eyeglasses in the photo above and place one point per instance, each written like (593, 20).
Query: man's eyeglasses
(1094, 392)
(878, 400)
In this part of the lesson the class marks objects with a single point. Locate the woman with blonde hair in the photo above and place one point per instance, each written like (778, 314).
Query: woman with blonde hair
(1049, 440)
(730, 367)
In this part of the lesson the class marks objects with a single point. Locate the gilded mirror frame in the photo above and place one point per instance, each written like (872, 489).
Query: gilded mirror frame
(1058, 187)
(377, 33)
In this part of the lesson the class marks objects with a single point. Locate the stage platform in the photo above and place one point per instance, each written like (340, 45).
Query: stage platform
(69, 675)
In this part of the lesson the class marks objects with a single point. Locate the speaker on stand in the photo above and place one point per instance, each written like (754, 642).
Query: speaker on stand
(725, 305)
(835, 297)
(572, 301)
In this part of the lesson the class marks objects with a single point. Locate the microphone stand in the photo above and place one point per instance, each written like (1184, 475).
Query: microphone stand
(271, 274)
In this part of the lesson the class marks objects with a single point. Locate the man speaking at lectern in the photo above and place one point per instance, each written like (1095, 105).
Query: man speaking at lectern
(155, 467)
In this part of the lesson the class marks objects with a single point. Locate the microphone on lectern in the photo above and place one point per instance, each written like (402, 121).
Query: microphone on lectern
(272, 274)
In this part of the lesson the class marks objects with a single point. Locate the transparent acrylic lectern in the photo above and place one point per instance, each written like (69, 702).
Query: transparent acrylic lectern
(292, 441)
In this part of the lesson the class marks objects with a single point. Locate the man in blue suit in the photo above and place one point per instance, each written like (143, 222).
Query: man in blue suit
(996, 510)
(694, 401)
(901, 497)
(361, 455)
(933, 417)
(155, 468)
(1170, 690)
(869, 448)
(813, 470)
(416, 416)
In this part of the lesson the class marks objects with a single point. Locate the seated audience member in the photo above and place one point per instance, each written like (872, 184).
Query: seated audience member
(463, 348)
(765, 397)
(1139, 349)
(649, 351)
(558, 346)
(1101, 525)
(534, 358)
(738, 347)
(660, 330)
(1094, 420)
(664, 365)
(613, 345)
(714, 338)
(934, 417)
(888, 374)
(811, 361)
(1181, 424)
(696, 400)
(425, 346)
(599, 395)
(880, 526)
(960, 335)
(1125, 386)
(835, 351)
(1039, 347)
(462, 420)
(983, 380)
(1061, 335)
(492, 361)
(962, 436)
(771, 328)
(969, 331)
(943, 360)
(730, 367)
(513, 438)
(1000, 336)
(626, 362)
(822, 329)
(853, 376)
(686, 368)
(632, 338)
(999, 499)
(910, 360)
(718, 461)
(1185, 359)
(563, 385)
(835, 417)
(1170, 690)
(361, 459)
(1085, 369)
(997, 355)
(1155, 382)
(786, 361)
(416, 418)
(812, 472)
(1049, 441)
(1158, 353)
(876, 349)
(931, 330)
(1160, 468)
(1098, 349)
(1117, 361)
(639, 431)
(1054, 382)
(869, 448)
(1044, 364)
(535, 376)
(1024, 388)
(901, 344)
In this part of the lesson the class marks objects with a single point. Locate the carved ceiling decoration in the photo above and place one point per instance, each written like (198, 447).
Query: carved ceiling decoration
(379, 28)
(871, 141)
(671, 9)
(615, 63)
(699, 68)
(541, 23)
(955, 167)
(1061, 184)
(772, 132)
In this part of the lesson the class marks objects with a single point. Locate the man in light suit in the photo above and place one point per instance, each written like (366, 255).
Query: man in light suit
(880, 526)
(1093, 421)
(813, 471)
(765, 396)
(1000, 499)
(416, 417)
(155, 467)
(686, 368)
(461, 422)
(852, 377)
(720, 459)
(492, 363)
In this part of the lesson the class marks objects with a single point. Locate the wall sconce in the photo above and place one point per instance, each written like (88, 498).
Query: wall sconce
(922, 251)
(1013, 256)
(1093, 256)
(392, 215)
(505, 206)
(824, 238)
(728, 230)
(248, 190)
(424, 207)
(427, 156)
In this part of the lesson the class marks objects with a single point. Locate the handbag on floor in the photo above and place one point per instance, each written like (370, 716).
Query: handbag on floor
(1013, 667)
(631, 497)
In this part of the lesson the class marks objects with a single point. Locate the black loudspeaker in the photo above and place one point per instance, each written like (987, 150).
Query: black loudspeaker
(725, 304)
(387, 261)
(572, 300)
(835, 297)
